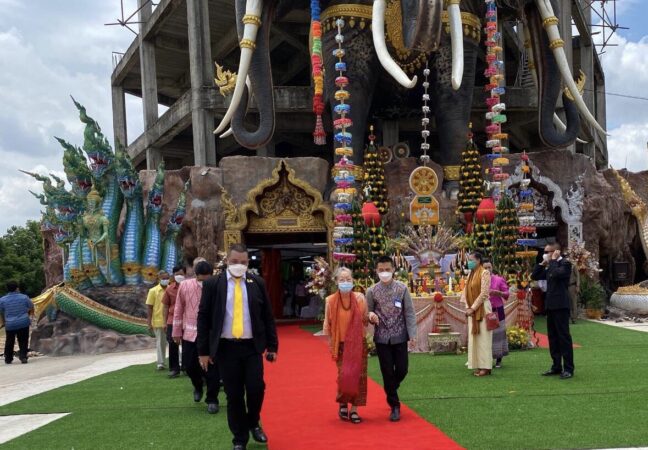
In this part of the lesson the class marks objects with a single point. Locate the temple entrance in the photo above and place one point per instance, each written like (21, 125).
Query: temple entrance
(285, 224)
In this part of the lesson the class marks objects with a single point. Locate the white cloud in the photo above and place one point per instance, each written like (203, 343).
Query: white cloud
(627, 147)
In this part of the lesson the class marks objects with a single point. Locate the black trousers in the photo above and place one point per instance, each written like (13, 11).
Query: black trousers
(242, 369)
(23, 341)
(197, 375)
(174, 351)
(560, 341)
(394, 361)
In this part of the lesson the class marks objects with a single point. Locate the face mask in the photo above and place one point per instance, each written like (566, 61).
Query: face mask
(164, 283)
(345, 286)
(385, 277)
(472, 264)
(237, 270)
(545, 257)
(179, 278)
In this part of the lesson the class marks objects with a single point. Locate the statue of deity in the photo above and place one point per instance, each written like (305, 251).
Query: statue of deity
(95, 229)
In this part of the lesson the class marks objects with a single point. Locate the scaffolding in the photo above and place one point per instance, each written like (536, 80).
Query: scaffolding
(604, 13)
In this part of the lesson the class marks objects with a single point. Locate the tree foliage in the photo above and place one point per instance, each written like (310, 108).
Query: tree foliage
(21, 258)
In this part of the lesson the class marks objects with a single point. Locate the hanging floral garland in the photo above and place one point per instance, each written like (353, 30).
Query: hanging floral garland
(319, 135)
(425, 121)
(526, 208)
(344, 169)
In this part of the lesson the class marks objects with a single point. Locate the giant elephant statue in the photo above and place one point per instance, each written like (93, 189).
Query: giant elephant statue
(452, 56)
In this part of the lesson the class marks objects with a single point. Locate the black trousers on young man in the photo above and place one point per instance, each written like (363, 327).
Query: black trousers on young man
(198, 376)
(23, 340)
(174, 351)
(394, 360)
(560, 341)
(241, 366)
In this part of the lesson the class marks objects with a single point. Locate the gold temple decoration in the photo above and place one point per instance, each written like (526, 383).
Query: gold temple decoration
(251, 19)
(225, 80)
(635, 289)
(451, 173)
(556, 43)
(471, 24)
(580, 84)
(638, 207)
(280, 204)
(247, 43)
(549, 21)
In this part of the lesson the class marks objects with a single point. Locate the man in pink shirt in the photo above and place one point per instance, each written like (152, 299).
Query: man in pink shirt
(185, 317)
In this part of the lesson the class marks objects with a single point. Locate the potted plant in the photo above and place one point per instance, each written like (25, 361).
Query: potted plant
(592, 295)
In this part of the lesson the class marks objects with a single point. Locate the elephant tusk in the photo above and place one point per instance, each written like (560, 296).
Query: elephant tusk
(252, 22)
(378, 32)
(456, 37)
(550, 22)
(229, 131)
(532, 68)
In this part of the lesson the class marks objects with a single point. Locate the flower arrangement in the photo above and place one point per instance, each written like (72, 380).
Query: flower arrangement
(518, 338)
(583, 259)
(321, 277)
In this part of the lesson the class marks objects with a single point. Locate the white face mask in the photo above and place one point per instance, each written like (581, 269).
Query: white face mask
(237, 270)
(545, 257)
(179, 278)
(164, 283)
(385, 277)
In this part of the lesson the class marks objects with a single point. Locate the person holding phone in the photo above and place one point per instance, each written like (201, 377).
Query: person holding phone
(392, 312)
(235, 328)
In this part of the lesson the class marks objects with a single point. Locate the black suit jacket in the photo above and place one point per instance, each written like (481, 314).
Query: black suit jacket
(211, 315)
(557, 274)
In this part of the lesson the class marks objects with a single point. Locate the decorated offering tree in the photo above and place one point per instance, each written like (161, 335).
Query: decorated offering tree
(505, 237)
(470, 181)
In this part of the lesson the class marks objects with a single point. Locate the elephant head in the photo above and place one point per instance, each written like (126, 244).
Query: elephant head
(421, 28)
(550, 68)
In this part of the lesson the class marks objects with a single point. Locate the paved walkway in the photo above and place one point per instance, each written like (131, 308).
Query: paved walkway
(627, 324)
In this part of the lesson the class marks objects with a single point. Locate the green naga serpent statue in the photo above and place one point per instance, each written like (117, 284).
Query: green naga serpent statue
(84, 222)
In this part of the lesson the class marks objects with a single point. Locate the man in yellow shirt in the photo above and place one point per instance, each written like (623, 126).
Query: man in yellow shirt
(155, 316)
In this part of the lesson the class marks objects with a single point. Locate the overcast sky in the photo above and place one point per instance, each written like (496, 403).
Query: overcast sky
(51, 49)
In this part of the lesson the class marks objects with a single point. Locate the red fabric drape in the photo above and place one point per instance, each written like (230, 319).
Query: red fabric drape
(271, 272)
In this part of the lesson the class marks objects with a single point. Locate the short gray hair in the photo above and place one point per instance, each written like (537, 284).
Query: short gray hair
(339, 271)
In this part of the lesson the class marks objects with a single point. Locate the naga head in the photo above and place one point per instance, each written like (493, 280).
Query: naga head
(176, 219)
(61, 231)
(129, 181)
(76, 169)
(156, 194)
(95, 144)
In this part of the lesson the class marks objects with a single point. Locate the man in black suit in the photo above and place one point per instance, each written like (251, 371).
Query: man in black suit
(235, 328)
(556, 270)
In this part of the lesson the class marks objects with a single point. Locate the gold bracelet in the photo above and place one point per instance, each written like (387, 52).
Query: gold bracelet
(556, 43)
(553, 20)
(250, 19)
(247, 43)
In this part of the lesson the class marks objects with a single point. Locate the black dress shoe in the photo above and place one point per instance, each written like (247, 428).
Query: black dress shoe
(197, 395)
(551, 372)
(395, 414)
(174, 374)
(23, 360)
(566, 375)
(258, 435)
(212, 408)
(239, 447)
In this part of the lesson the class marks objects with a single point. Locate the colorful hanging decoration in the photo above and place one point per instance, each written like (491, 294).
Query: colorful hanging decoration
(319, 135)
(495, 117)
(374, 187)
(344, 169)
(470, 181)
(505, 239)
(526, 217)
(425, 121)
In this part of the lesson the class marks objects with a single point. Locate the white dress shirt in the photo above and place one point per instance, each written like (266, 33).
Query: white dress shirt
(229, 309)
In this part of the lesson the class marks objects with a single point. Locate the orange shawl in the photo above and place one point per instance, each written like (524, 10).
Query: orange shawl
(331, 323)
(473, 289)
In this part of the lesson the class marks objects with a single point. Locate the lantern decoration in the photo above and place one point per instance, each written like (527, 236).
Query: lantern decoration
(470, 182)
(526, 217)
(319, 135)
(344, 171)
(371, 215)
(482, 232)
(496, 141)
(425, 121)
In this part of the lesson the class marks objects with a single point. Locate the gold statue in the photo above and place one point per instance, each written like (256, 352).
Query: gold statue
(95, 229)
(225, 80)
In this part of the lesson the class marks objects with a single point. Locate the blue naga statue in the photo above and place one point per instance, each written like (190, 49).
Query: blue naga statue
(84, 220)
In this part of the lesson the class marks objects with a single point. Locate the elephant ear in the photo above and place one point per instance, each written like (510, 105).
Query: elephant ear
(422, 24)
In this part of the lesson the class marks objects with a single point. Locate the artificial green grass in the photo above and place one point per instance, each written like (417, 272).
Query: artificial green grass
(604, 405)
(134, 408)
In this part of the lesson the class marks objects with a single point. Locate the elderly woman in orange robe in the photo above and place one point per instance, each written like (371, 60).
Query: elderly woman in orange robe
(344, 322)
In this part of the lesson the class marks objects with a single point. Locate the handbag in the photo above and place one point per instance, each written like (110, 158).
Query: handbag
(492, 321)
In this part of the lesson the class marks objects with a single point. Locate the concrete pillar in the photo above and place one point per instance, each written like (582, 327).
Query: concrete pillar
(202, 73)
(587, 66)
(149, 83)
(119, 116)
(566, 35)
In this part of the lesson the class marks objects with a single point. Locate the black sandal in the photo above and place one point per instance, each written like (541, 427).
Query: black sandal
(344, 412)
(354, 417)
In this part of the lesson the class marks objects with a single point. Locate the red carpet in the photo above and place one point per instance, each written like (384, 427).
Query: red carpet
(543, 341)
(300, 412)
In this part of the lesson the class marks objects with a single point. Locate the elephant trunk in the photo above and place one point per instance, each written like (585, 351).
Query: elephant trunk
(549, 87)
(550, 23)
(260, 85)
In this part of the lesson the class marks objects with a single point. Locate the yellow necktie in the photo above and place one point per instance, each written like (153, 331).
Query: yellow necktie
(237, 322)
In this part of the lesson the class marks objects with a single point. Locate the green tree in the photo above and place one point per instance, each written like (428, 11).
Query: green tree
(21, 258)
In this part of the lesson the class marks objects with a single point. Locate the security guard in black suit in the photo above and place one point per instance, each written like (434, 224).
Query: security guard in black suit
(557, 271)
